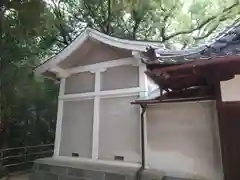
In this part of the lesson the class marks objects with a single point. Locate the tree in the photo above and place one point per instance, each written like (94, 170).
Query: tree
(170, 22)
(24, 30)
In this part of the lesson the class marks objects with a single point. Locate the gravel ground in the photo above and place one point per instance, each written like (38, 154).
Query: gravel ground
(17, 177)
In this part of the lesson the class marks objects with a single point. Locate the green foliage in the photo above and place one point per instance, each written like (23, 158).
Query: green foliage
(176, 23)
(25, 100)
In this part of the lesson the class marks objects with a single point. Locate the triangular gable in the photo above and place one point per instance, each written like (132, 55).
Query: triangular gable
(95, 52)
(89, 33)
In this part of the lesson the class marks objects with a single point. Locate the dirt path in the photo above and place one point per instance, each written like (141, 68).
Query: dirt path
(17, 177)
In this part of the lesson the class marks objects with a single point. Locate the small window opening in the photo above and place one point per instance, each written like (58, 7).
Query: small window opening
(119, 158)
(75, 154)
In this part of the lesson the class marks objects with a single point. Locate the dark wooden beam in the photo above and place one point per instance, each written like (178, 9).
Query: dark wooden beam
(157, 101)
(229, 61)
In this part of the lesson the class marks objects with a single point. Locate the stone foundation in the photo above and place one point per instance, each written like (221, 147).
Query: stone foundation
(52, 169)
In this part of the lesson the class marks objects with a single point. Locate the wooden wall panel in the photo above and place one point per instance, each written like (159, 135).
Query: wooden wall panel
(229, 129)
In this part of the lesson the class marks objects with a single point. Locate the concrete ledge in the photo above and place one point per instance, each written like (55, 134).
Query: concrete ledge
(59, 169)
(118, 167)
(150, 174)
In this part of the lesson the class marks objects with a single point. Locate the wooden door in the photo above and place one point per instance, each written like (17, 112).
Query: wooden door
(229, 125)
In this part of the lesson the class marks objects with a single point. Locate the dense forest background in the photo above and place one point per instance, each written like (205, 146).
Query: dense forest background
(33, 30)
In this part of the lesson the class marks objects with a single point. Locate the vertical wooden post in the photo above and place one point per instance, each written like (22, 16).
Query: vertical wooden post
(95, 140)
(58, 133)
(96, 114)
(229, 129)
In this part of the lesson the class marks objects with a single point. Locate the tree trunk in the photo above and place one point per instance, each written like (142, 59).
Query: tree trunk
(135, 28)
(109, 18)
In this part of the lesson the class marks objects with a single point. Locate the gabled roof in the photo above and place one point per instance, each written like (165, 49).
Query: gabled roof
(92, 34)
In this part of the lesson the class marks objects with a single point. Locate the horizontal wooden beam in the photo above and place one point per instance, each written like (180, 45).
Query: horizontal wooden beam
(157, 101)
(102, 94)
(216, 61)
(104, 65)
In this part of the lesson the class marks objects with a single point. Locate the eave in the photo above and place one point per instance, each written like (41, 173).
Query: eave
(178, 80)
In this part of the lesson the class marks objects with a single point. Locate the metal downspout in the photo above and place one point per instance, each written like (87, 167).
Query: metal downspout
(141, 169)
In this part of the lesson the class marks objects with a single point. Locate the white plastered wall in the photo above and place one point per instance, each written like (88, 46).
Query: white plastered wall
(77, 128)
(120, 77)
(80, 83)
(89, 99)
(183, 140)
(119, 129)
(230, 90)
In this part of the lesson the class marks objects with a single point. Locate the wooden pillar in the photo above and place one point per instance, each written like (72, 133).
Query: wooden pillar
(229, 129)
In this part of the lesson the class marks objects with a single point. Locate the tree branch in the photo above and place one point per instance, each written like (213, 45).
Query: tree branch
(59, 40)
(135, 27)
(93, 15)
(161, 7)
(210, 31)
(123, 24)
(109, 17)
(202, 24)
(59, 16)
(165, 19)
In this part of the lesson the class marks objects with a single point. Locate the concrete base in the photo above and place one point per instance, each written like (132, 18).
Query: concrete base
(55, 169)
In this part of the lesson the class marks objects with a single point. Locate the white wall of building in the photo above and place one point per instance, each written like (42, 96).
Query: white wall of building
(80, 83)
(98, 121)
(77, 128)
(183, 140)
(119, 129)
(120, 77)
(230, 90)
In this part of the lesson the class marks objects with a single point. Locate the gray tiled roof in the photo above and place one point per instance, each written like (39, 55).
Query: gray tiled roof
(226, 43)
